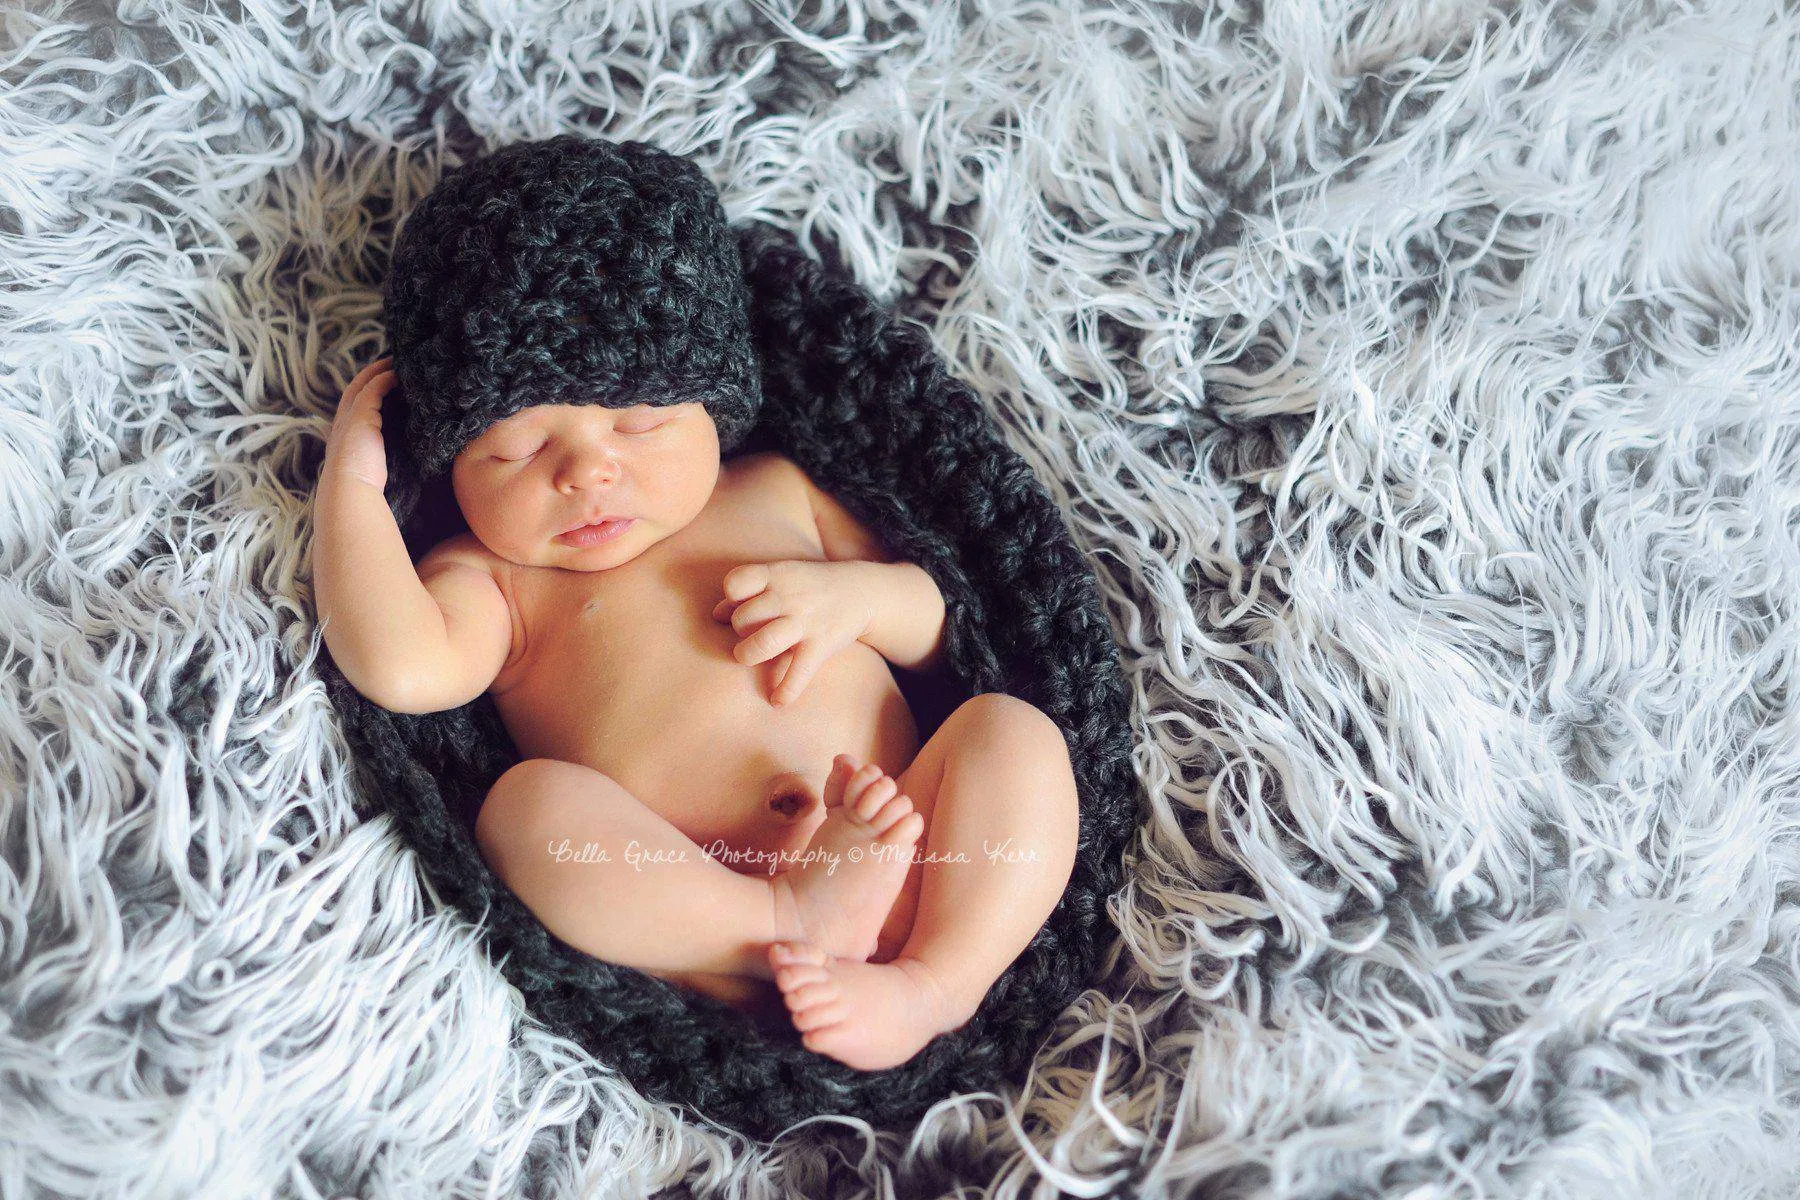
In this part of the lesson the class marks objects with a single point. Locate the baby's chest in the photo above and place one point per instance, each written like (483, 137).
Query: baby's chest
(648, 624)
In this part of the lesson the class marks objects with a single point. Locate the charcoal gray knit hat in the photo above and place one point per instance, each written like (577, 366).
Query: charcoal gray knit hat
(572, 270)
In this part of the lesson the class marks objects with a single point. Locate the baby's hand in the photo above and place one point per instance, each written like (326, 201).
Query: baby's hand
(354, 446)
(809, 609)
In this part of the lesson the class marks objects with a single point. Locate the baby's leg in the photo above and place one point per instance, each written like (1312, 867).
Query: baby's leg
(613, 878)
(657, 902)
(1002, 821)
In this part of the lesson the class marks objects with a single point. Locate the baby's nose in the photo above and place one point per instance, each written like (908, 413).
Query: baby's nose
(591, 471)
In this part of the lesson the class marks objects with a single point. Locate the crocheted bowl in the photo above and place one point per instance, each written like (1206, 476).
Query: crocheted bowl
(858, 397)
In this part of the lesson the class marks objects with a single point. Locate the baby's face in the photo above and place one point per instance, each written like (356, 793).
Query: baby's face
(549, 469)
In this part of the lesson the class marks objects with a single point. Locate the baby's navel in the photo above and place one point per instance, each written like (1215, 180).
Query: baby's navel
(788, 804)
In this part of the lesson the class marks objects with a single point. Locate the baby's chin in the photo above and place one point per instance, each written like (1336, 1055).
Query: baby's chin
(586, 561)
(545, 550)
(572, 558)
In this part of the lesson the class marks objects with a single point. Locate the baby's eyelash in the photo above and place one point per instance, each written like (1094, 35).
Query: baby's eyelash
(647, 429)
(626, 432)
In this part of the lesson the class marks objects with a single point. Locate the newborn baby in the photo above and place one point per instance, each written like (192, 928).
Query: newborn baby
(721, 782)
(691, 656)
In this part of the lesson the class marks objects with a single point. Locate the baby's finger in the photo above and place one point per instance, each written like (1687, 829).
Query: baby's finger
(376, 388)
(722, 610)
(782, 670)
(793, 681)
(368, 372)
(768, 641)
(747, 580)
(764, 606)
(355, 406)
(366, 376)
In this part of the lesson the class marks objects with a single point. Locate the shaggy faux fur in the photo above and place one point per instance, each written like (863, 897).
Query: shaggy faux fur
(1419, 380)
(860, 400)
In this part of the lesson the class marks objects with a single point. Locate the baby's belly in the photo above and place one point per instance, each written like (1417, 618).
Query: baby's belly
(694, 737)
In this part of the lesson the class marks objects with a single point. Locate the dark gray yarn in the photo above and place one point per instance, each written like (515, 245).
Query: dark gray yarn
(858, 398)
(566, 271)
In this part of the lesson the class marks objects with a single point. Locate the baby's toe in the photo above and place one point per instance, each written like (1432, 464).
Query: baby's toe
(787, 978)
(821, 1016)
(874, 797)
(796, 953)
(837, 783)
(829, 1040)
(811, 995)
(891, 814)
(905, 829)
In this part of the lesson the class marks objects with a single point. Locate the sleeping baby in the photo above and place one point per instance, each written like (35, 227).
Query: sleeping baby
(721, 783)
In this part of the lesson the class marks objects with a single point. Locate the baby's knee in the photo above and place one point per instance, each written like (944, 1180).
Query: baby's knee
(510, 808)
(529, 801)
(521, 791)
(1003, 742)
(1005, 724)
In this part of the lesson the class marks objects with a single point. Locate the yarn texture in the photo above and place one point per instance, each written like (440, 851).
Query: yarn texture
(566, 271)
(858, 398)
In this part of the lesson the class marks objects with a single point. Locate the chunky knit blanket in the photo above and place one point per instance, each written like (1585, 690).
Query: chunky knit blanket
(1420, 383)
(859, 399)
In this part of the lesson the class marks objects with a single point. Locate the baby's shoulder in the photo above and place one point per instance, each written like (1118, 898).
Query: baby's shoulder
(775, 474)
(836, 530)
(764, 466)
(465, 549)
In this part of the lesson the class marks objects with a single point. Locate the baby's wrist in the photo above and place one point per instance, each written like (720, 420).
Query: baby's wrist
(867, 590)
(905, 612)
(336, 474)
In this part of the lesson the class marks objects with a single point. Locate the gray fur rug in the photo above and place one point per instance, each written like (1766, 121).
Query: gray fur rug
(1422, 380)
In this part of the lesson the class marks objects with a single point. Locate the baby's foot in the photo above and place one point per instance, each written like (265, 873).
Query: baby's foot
(840, 897)
(870, 1016)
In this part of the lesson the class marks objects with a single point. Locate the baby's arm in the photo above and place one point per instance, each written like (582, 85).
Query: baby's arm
(907, 622)
(907, 626)
(409, 646)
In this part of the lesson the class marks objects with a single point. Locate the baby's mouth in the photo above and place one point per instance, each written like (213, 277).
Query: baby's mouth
(585, 523)
(594, 535)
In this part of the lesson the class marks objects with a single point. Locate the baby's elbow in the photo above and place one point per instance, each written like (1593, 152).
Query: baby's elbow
(391, 696)
(380, 688)
(408, 696)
